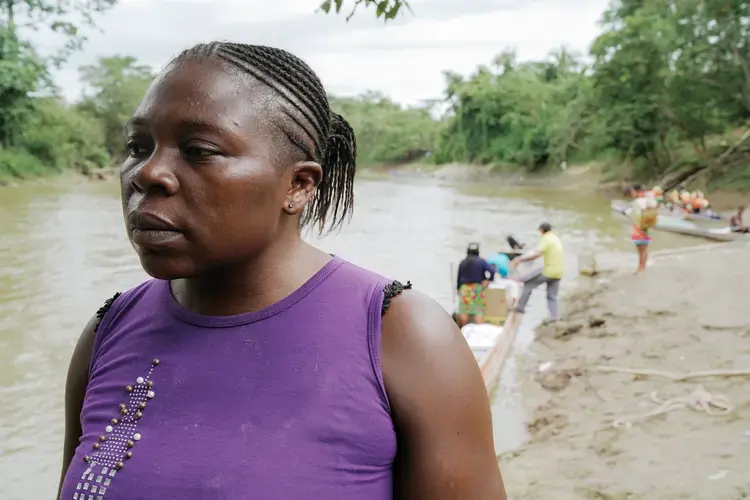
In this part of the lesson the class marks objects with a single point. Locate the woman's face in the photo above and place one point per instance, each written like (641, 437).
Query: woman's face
(206, 183)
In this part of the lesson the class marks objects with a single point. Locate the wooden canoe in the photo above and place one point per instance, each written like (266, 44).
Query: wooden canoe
(490, 343)
(723, 234)
(677, 224)
(491, 346)
(622, 206)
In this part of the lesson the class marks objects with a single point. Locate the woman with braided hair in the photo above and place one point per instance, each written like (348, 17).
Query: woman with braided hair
(253, 365)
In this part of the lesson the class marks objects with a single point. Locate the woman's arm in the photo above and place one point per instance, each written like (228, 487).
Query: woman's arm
(439, 404)
(75, 390)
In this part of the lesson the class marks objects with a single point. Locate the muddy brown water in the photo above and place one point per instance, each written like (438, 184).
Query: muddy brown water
(63, 251)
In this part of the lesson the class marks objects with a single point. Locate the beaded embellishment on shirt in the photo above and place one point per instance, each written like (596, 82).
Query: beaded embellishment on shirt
(390, 291)
(118, 441)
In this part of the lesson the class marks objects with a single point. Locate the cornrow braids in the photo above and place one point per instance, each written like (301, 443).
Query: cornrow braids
(335, 146)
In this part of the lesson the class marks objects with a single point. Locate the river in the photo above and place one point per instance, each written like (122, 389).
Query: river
(63, 251)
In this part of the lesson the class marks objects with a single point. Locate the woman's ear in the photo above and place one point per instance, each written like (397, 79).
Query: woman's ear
(306, 177)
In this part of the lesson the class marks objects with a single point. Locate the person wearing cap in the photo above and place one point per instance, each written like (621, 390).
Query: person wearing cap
(474, 275)
(501, 263)
(551, 250)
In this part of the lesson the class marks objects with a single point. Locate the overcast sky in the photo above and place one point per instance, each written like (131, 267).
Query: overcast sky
(404, 59)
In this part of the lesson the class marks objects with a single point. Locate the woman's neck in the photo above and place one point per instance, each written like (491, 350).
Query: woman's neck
(271, 276)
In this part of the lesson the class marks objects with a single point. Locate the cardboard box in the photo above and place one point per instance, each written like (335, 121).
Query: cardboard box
(497, 306)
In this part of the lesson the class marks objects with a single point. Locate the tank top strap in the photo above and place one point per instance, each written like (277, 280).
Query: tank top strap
(110, 310)
(383, 294)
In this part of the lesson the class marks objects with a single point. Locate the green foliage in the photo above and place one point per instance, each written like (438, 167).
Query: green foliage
(115, 87)
(63, 138)
(19, 164)
(386, 132)
(63, 17)
(526, 114)
(664, 74)
(39, 133)
(387, 9)
(21, 73)
(665, 78)
(55, 137)
(667, 73)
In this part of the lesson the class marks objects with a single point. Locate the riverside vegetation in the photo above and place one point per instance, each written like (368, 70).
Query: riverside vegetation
(664, 95)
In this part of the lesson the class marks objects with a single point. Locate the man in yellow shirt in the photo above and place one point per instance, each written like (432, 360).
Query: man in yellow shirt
(551, 250)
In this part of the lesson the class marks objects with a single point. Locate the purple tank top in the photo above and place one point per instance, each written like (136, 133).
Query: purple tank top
(283, 403)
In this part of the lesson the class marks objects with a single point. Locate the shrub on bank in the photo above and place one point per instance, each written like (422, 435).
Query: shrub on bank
(54, 138)
(19, 164)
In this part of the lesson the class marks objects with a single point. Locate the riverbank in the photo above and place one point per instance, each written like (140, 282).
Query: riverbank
(588, 177)
(686, 314)
(575, 178)
(52, 176)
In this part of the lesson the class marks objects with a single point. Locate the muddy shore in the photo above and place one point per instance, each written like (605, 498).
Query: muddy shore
(591, 433)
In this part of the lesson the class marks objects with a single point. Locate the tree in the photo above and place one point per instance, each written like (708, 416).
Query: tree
(37, 131)
(505, 61)
(388, 133)
(668, 72)
(62, 138)
(387, 9)
(628, 77)
(115, 87)
(21, 73)
(65, 17)
(513, 112)
(668, 82)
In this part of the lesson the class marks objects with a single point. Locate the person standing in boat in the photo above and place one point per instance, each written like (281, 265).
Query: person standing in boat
(474, 275)
(551, 250)
(736, 223)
